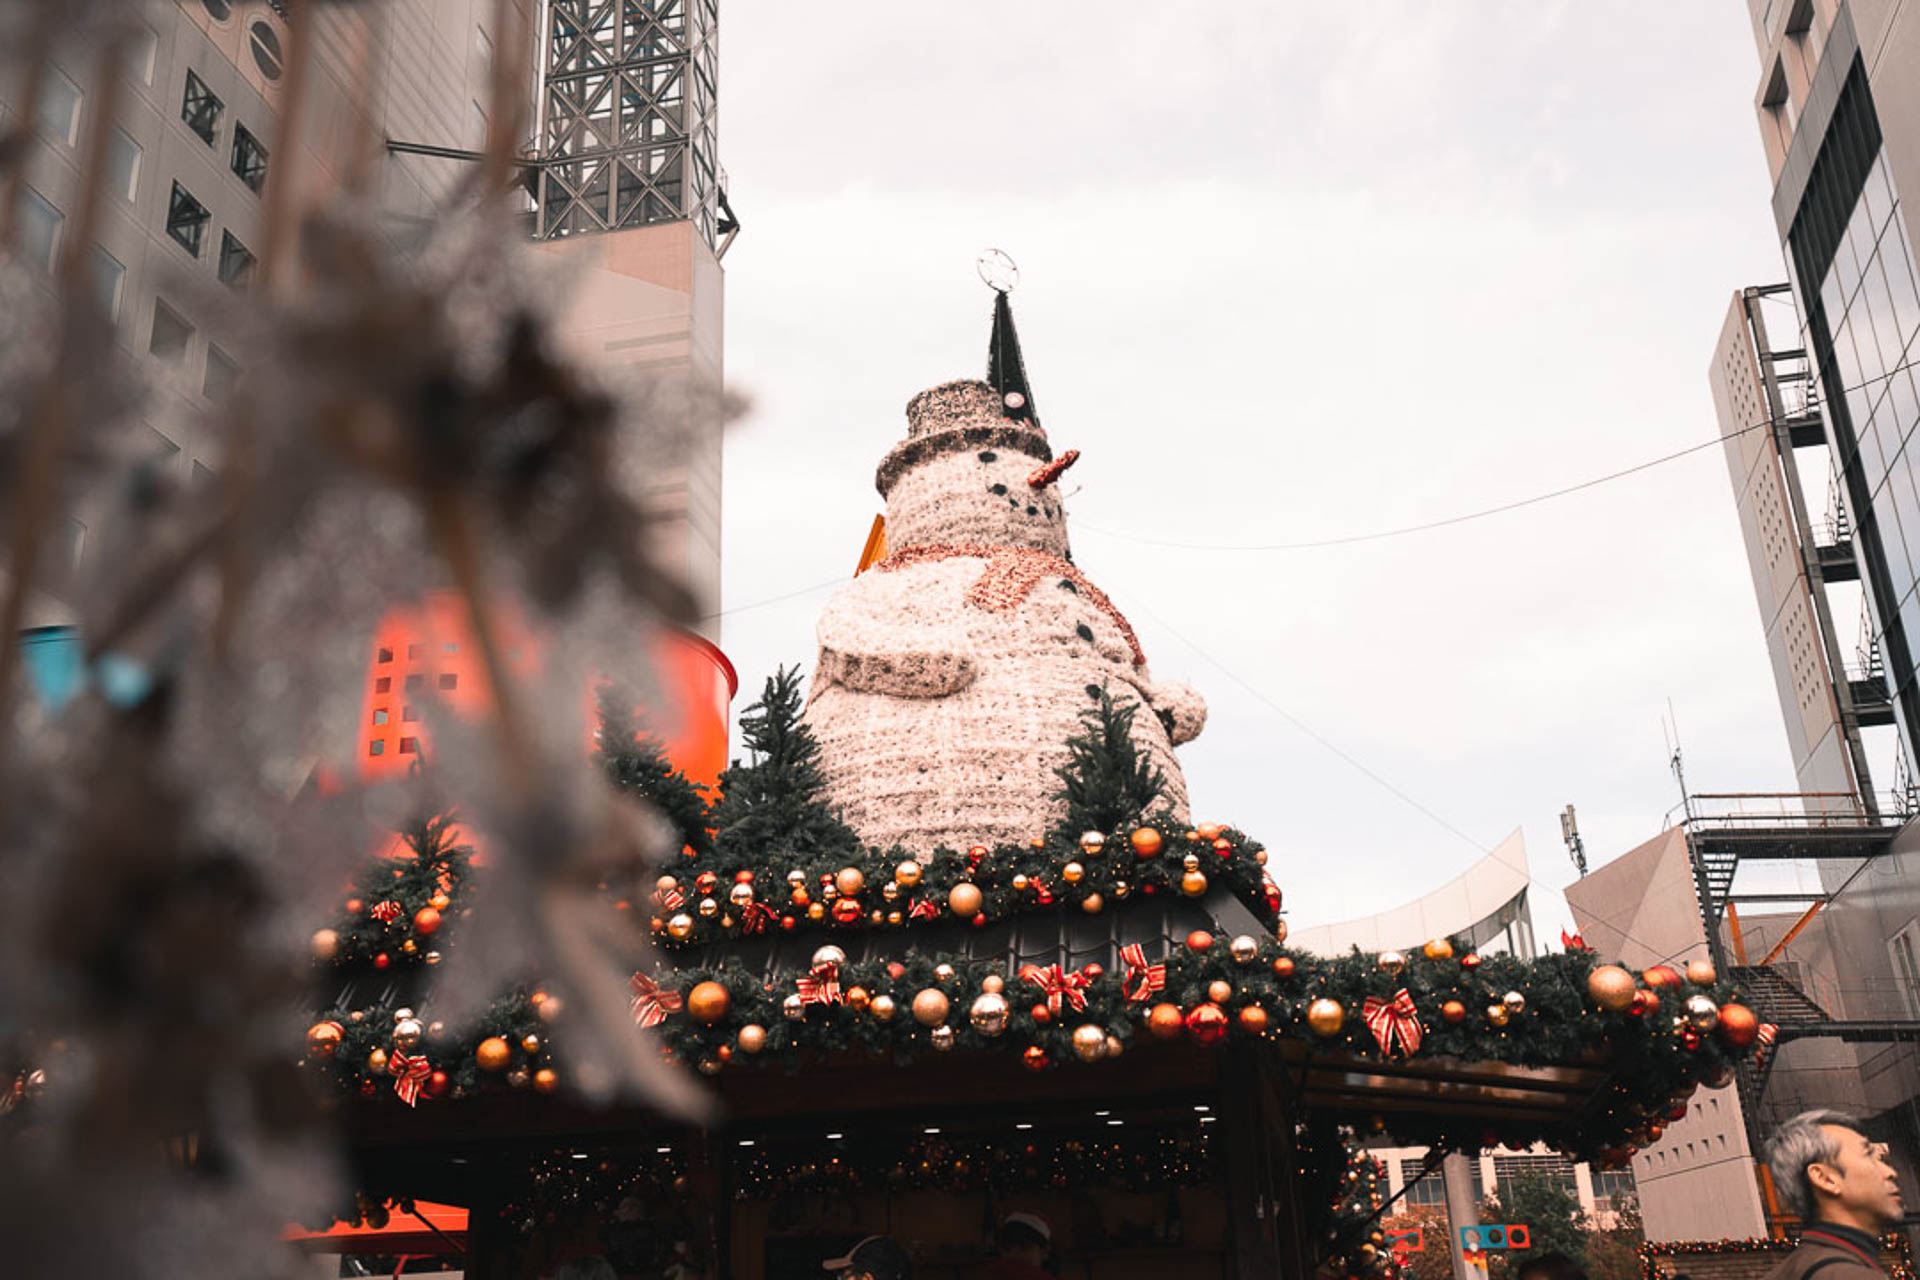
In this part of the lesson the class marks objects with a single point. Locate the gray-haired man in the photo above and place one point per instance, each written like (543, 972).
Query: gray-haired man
(1839, 1182)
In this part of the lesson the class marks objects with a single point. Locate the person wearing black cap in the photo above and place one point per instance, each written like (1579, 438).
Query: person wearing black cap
(1023, 1244)
(875, 1258)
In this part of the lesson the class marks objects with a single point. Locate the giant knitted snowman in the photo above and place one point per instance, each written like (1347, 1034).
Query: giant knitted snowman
(952, 673)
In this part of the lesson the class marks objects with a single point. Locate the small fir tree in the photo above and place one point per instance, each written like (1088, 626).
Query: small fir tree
(772, 810)
(1106, 782)
(637, 764)
(1549, 1209)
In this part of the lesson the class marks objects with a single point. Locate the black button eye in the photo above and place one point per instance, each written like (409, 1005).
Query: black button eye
(1066, 584)
(1093, 691)
(1033, 511)
(999, 489)
(1084, 631)
(988, 455)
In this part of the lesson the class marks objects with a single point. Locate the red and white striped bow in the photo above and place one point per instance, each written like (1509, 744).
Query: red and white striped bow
(924, 909)
(757, 917)
(1395, 1017)
(385, 912)
(410, 1076)
(1142, 979)
(670, 898)
(653, 1002)
(1059, 985)
(822, 986)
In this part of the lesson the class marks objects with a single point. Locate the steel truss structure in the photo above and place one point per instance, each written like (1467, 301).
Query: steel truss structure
(627, 125)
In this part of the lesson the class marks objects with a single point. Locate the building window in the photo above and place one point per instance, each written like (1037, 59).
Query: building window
(378, 747)
(408, 715)
(187, 220)
(39, 228)
(409, 745)
(200, 109)
(1430, 1190)
(140, 54)
(383, 685)
(236, 261)
(384, 655)
(60, 107)
(449, 680)
(108, 277)
(1904, 947)
(222, 372)
(123, 165)
(266, 50)
(171, 334)
(380, 716)
(220, 9)
(249, 159)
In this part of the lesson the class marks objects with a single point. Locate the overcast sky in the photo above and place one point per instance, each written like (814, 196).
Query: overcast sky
(1290, 273)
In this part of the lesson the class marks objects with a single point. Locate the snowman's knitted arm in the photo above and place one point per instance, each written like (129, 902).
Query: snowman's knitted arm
(1181, 708)
(890, 636)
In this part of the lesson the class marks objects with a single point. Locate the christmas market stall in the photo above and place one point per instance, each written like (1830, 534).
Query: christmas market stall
(948, 944)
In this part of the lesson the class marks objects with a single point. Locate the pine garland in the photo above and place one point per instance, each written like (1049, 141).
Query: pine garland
(397, 907)
(636, 764)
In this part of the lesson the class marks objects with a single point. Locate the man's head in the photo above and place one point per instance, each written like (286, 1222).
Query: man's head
(1825, 1168)
(875, 1258)
(1551, 1265)
(1025, 1236)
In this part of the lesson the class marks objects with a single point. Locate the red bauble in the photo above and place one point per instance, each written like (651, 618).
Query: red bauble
(437, 1084)
(1166, 1022)
(1207, 1023)
(743, 876)
(1042, 1015)
(1033, 1057)
(980, 920)
(1092, 970)
(1283, 966)
(355, 906)
(1453, 1011)
(846, 910)
(788, 923)
(382, 960)
(1199, 940)
(426, 921)
(1738, 1026)
(1471, 960)
(706, 882)
(896, 970)
(1253, 1019)
(1660, 977)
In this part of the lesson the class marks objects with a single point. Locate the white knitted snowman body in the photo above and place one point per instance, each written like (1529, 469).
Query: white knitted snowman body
(951, 675)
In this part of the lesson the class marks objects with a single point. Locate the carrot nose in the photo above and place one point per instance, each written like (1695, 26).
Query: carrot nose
(1044, 476)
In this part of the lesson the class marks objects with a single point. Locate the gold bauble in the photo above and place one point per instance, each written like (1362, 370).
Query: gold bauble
(1453, 1011)
(1280, 930)
(1092, 904)
(964, 899)
(1438, 949)
(408, 946)
(858, 998)
(407, 1034)
(941, 1037)
(796, 878)
(1020, 882)
(1611, 987)
(1193, 884)
(431, 957)
(493, 1053)
(989, 1013)
(1121, 888)
(752, 1038)
(1325, 1017)
(1191, 862)
(741, 895)
(993, 982)
(550, 1009)
(1700, 973)
(815, 911)
(708, 1002)
(1219, 991)
(908, 873)
(1702, 1013)
(377, 1061)
(1146, 841)
(529, 1042)
(793, 1008)
(709, 907)
(943, 972)
(930, 1006)
(1497, 1015)
(1253, 1019)
(894, 917)
(849, 881)
(439, 902)
(882, 1008)
(665, 885)
(326, 944)
(1089, 1042)
(519, 1077)
(323, 1039)
(1244, 948)
(1391, 963)
(1072, 873)
(890, 891)
(680, 926)
(1515, 1002)
(828, 954)
(1092, 842)
(1038, 842)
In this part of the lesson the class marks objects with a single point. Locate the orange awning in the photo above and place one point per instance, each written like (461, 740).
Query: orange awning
(404, 1233)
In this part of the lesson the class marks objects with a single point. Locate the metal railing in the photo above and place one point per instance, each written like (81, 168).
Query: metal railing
(1738, 809)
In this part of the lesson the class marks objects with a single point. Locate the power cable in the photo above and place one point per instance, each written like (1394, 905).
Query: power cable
(1483, 513)
(761, 604)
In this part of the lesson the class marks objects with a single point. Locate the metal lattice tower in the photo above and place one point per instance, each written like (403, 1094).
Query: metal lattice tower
(627, 118)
